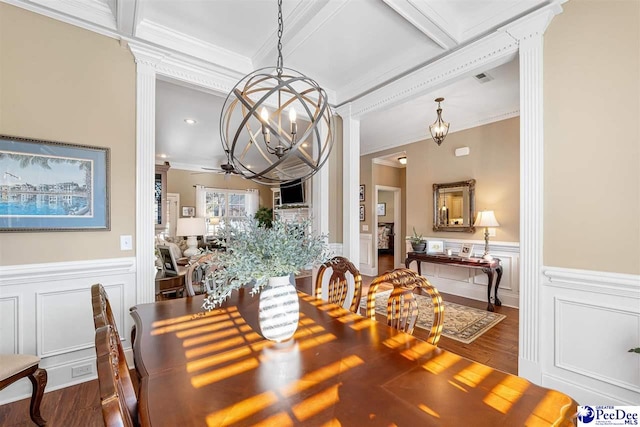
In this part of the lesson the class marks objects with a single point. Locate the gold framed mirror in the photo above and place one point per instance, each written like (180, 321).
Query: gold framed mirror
(454, 206)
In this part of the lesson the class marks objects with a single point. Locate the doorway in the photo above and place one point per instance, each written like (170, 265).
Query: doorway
(387, 223)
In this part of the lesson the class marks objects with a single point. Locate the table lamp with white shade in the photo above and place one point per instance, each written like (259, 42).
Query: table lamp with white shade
(191, 227)
(486, 219)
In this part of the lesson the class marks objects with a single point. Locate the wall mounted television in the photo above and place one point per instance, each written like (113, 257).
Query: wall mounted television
(292, 193)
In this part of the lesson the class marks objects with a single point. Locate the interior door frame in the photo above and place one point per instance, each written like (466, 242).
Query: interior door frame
(397, 224)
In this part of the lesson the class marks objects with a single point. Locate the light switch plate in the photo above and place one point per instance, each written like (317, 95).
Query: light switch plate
(492, 232)
(126, 243)
(365, 228)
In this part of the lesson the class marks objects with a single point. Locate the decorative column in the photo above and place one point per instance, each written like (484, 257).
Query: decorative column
(528, 33)
(350, 184)
(320, 192)
(145, 172)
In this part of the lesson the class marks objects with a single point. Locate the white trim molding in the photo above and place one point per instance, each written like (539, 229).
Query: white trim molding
(587, 318)
(45, 309)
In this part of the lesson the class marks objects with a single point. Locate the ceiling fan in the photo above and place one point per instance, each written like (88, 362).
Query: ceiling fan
(226, 168)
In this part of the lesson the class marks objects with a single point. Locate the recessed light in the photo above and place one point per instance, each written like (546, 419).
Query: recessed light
(163, 156)
(190, 121)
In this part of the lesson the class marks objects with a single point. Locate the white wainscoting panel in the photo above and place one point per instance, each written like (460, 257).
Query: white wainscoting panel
(9, 333)
(45, 309)
(589, 321)
(472, 283)
(367, 263)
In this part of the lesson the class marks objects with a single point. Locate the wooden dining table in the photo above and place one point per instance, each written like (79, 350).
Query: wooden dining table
(213, 368)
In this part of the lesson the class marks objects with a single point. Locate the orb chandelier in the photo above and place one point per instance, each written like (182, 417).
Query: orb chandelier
(276, 124)
(439, 128)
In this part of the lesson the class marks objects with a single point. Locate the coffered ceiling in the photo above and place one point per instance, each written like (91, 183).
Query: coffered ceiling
(350, 47)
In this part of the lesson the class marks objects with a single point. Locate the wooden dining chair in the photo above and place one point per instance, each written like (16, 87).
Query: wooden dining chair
(14, 367)
(404, 278)
(102, 317)
(402, 310)
(194, 279)
(114, 380)
(344, 278)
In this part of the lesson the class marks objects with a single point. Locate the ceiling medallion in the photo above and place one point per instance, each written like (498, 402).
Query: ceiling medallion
(276, 124)
(439, 129)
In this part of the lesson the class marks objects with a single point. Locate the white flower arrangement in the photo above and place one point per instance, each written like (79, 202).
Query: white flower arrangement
(253, 253)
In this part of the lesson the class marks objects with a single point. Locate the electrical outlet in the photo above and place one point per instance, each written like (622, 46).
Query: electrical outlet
(78, 371)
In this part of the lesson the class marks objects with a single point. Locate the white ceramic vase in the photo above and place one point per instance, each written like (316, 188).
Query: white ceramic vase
(279, 309)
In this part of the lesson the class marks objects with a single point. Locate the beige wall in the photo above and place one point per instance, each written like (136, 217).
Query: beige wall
(183, 182)
(62, 83)
(335, 185)
(493, 163)
(592, 137)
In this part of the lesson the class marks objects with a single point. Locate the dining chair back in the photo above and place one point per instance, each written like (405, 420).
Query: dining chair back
(341, 281)
(113, 383)
(404, 278)
(14, 367)
(194, 279)
(402, 310)
(102, 317)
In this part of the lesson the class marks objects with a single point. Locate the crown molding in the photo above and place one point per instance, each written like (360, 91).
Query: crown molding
(185, 69)
(93, 19)
(170, 39)
(491, 51)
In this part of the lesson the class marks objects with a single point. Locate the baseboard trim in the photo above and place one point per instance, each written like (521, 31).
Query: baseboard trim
(583, 394)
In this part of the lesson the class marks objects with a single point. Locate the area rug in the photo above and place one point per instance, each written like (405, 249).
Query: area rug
(461, 323)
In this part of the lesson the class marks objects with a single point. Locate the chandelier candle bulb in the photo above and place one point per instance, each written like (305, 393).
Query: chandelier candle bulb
(292, 119)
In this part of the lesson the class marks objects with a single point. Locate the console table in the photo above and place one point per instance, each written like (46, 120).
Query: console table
(491, 268)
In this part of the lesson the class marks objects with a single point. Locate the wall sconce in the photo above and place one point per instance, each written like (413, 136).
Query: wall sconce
(402, 160)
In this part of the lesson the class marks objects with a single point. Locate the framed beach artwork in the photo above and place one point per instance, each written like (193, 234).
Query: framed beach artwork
(53, 186)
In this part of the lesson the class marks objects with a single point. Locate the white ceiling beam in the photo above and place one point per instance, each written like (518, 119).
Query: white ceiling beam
(307, 18)
(426, 19)
(127, 17)
(183, 43)
(491, 51)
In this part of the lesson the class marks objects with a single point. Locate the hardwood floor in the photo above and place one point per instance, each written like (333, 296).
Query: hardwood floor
(79, 405)
(75, 406)
(497, 347)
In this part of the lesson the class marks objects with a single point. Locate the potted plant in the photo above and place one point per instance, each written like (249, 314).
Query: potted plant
(417, 242)
(265, 258)
(264, 216)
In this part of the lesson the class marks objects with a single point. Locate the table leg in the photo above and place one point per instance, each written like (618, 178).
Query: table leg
(499, 271)
(489, 272)
(407, 263)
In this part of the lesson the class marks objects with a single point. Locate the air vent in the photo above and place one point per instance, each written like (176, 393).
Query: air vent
(483, 77)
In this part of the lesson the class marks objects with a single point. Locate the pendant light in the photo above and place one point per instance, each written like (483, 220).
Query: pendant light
(439, 128)
(276, 124)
